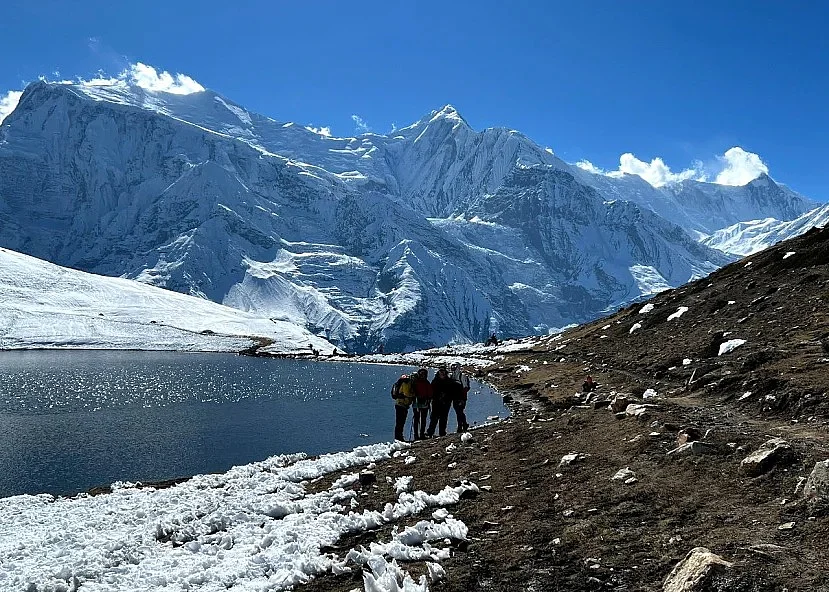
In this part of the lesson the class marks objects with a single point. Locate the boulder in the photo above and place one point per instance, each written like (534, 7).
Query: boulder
(771, 453)
(619, 403)
(639, 411)
(817, 485)
(693, 449)
(694, 573)
(573, 457)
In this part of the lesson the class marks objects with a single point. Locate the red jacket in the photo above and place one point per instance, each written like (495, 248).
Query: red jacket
(422, 391)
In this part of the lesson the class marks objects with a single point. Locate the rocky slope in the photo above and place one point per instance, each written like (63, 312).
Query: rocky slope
(706, 431)
(437, 233)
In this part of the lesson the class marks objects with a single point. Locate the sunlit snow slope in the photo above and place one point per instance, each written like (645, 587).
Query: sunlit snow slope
(44, 305)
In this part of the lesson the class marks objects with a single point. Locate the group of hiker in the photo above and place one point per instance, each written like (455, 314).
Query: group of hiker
(430, 401)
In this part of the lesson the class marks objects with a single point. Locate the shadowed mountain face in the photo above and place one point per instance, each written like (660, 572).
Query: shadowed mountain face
(438, 233)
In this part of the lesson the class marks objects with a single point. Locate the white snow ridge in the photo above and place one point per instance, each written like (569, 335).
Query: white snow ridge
(252, 528)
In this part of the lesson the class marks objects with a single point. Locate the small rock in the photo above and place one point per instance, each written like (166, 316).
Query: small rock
(623, 475)
(638, 411)
(760, 461)
(786, 526)
(619, 403)
(573, 457)
(817, 485)
(466, 438)
(694, 573)
(693, 448)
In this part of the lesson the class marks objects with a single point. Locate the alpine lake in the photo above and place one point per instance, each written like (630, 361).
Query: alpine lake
(74, 420)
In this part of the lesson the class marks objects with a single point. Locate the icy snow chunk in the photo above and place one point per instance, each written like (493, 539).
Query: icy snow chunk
(686, 362)
(649, 394)
(466, 437)
(346, 481)
(410, 459)
(435, 571)
(679, 312)
(403, 484)
(788, 254)
(522, 369)
(635, 327)
(730, 346)
(647, 308)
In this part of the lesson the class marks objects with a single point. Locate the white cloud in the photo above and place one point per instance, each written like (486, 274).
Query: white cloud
(588, 166)
(8, 103)
(360, 126)
(737, 167)
(323, 131)
(151, 79)
(655, 172)
(740, 167)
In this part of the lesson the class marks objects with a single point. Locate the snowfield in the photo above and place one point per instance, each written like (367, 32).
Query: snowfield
(48, 306)
(252, 528)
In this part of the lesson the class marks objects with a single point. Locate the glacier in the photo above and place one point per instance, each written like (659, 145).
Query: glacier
(434, 234)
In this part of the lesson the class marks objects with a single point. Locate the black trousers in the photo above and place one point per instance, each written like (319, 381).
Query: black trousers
(419, 420)
(460, 405)
(400, 415)
(440, 415)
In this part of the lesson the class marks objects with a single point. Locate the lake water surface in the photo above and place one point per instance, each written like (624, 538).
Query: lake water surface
(73, 420)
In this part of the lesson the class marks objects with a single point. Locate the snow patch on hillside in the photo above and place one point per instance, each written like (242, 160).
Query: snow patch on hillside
(44, 305)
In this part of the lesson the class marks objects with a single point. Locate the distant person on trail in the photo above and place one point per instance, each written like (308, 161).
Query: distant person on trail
(403, 394)
(422, 402)
(444, 392)
(459, 401)
(493, 340)
(588, 386)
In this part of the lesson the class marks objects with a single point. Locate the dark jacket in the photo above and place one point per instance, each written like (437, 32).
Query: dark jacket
(422, 392)
(446, 389)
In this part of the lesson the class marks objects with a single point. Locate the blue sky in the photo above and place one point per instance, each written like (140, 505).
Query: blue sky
(684, 81)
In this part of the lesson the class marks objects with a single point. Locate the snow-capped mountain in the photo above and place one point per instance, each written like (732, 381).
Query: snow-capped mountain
(437, 233)
(753, 236)
(47, 306)
(703, 208)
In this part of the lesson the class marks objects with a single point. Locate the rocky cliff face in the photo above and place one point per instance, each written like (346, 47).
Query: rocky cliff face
(438, 233)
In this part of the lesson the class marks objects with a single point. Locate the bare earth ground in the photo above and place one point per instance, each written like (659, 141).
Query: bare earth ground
(543, 526)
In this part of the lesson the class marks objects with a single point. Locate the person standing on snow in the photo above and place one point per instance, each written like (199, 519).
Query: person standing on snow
(444, 391)
(403, 394)
(459, 400)
(422, 402)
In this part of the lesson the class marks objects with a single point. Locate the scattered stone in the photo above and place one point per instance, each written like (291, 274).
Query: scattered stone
(817, 485)
(772, 452)
(573, 457)
(619, 403)
(689, 434)
(649, 394)
(638, 411)
(786, 526)
(693, 449)
(694, 573)
(623, 475)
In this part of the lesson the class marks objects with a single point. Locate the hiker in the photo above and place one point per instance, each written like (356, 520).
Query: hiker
(492, 340)
(423, 400)
(588, 386)
(403, 394)
(459, 401)
(444, 392)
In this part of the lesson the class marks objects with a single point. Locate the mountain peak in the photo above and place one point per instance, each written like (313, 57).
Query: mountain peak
(449, 113)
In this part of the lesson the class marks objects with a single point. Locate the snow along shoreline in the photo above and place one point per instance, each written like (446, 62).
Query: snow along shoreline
(254, 527)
